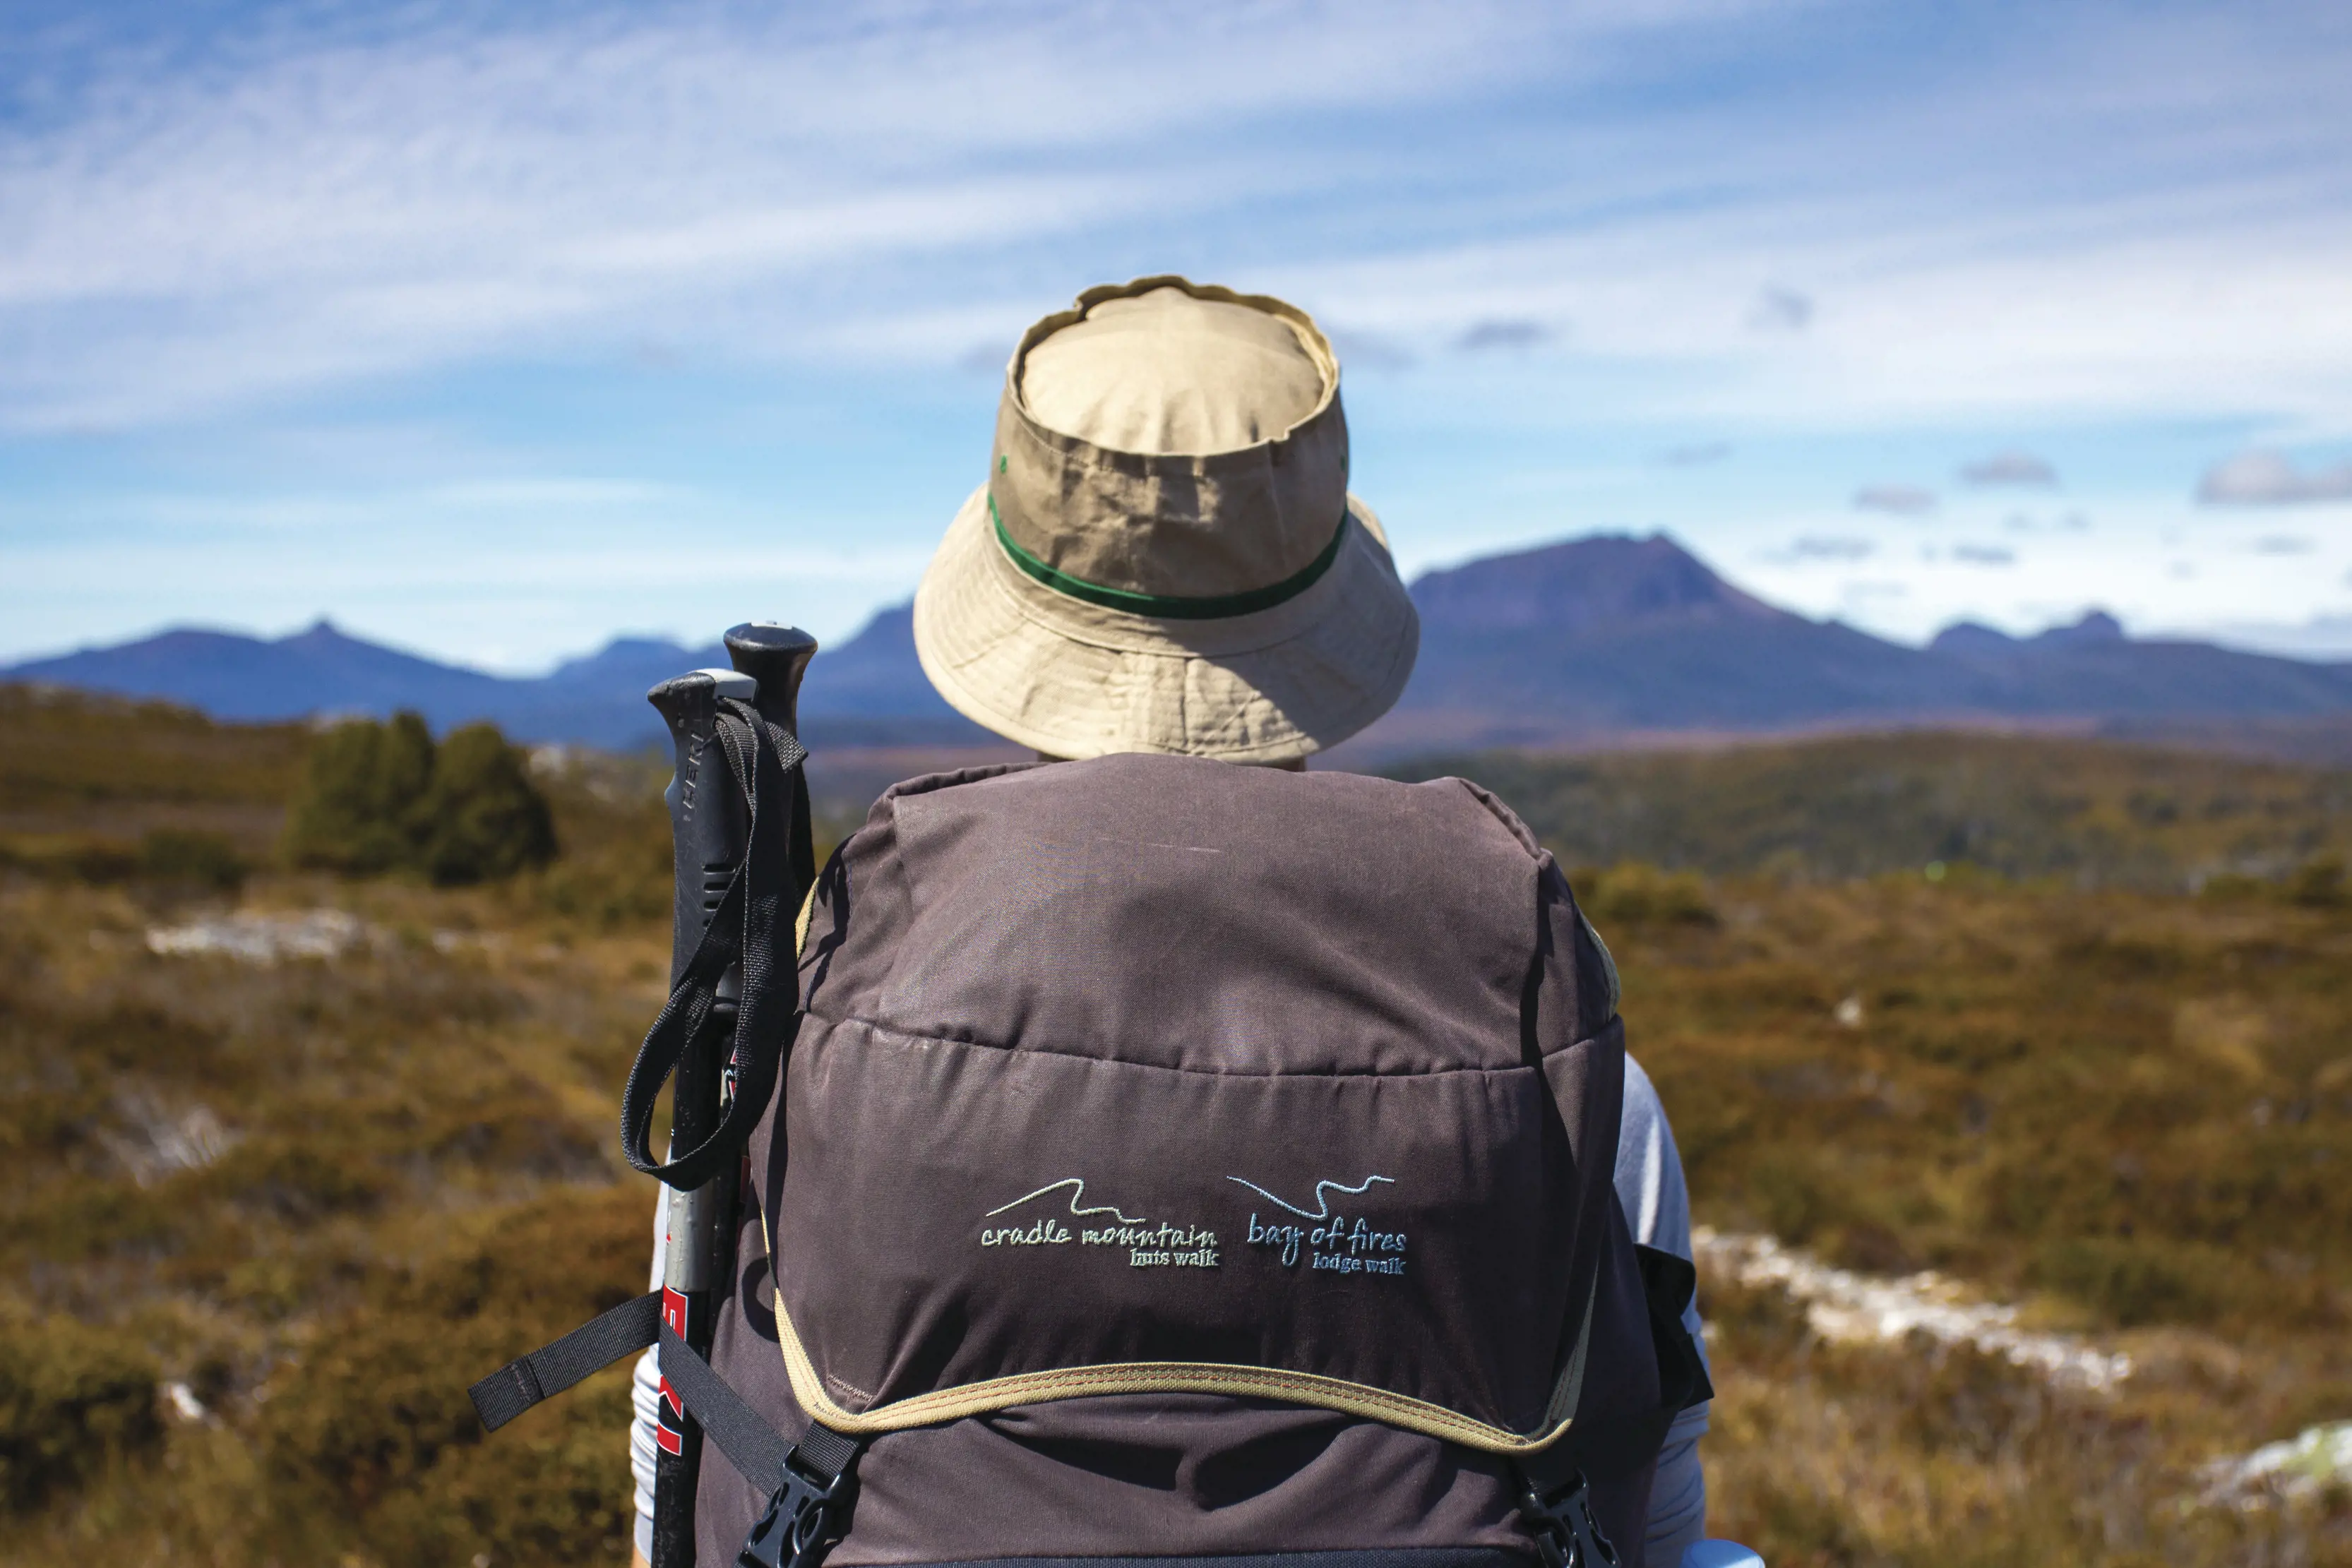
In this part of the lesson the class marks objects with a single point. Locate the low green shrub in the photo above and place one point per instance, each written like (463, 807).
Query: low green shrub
(376, 798)
(2134, 1281)
(369, 1442)
(193, 858)
(2319, 883)
(1633, 893)
(72, 1398)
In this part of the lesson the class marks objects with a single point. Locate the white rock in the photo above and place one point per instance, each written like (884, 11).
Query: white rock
(261, 939)
(2295, 1469)
(1846, 1306)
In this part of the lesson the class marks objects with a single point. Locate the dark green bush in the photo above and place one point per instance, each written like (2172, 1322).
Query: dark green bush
(71, 1398)
(192, 859)
(482, 818)
(1632, 894)
(2134, 1280)
(356, 810)
(376, 798)
(2319, 884)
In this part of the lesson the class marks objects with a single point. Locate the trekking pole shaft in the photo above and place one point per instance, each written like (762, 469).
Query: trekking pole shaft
(775, 657)
(707, 828)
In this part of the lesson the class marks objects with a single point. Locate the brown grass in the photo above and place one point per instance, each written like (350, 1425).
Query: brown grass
(419, 1186)
(2131, 1111)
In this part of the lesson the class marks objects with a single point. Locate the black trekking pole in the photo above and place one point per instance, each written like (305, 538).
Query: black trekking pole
(709, 826)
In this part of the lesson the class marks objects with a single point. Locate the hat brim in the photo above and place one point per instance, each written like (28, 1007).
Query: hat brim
(1074, 679)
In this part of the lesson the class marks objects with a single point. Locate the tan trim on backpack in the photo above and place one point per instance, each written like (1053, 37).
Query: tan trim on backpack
(1607, 961)
(800, 926)
(1151, 1377)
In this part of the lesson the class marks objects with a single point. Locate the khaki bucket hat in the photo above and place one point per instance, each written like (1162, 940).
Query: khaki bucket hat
(1165, 557)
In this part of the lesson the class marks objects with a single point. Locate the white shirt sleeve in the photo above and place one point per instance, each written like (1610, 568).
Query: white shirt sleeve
(1649, 1181)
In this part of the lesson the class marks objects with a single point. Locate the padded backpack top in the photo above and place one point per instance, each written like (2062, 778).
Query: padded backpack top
(1159, 1074)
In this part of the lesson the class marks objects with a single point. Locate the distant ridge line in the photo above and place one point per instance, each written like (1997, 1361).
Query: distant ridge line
(1604, 642)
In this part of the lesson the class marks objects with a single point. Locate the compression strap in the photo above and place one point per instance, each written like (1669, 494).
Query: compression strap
(578, 1356)
(742, 1434)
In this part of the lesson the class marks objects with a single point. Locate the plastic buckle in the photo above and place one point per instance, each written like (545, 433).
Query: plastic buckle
(1563, 1523)
(798, 1527)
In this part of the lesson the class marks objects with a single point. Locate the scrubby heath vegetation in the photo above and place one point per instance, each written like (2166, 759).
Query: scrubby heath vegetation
(2067, 1022)
(2085, 813)
(2132, 1113)
(265, 1220)
(95, 790)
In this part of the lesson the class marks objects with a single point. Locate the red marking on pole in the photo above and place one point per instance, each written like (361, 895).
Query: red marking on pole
(673, 1314)
(671, 1442)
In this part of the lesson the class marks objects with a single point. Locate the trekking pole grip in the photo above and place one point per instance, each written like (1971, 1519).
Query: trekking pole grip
(777, 657)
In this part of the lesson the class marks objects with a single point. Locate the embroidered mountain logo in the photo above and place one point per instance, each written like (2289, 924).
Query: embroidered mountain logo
(1148, 1246)
(1328, 1238)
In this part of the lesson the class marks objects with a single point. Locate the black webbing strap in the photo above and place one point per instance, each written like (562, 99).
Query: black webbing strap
(1669, 1283)
(754, 1447)
(1623, 1446)
(808, 1480)
(551, 1369)
(823, 1449)
(744, 929)
(1609, 1454)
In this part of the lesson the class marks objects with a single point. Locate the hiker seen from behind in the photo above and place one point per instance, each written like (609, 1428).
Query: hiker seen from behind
(1182, 1154)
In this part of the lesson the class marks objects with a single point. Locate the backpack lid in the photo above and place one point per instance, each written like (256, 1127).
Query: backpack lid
(1154, 1073)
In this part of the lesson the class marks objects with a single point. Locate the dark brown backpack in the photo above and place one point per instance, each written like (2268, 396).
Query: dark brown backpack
(1183, 1160)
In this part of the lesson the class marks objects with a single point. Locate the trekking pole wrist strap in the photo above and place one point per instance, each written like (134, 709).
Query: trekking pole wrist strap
(750, 928)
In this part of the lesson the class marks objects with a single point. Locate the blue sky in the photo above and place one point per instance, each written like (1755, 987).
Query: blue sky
(495, 332)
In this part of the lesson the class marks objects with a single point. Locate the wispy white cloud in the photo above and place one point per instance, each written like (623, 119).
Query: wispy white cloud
(2124, 214)
(2285, 544)
(1780, 309)
(321, 209)
(1504, 332)
(910, 180)
(1829, 547)
(2126, 564)
(2028, 523)
(2010, 468)
(2261, 478)
(1903, 500)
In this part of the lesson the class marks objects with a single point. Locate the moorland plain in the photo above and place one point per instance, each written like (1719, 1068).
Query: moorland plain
(264, 1221)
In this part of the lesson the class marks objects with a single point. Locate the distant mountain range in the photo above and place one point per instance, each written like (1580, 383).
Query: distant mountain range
(871, 691)
(1610, 638)
(1604, 640)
